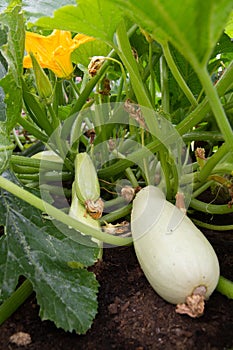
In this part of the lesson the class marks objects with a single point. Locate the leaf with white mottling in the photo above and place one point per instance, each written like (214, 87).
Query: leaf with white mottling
(37, 249)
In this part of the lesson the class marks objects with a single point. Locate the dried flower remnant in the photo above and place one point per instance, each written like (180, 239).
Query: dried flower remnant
(53, 51)
(95, 64)
(193, 307)
(128, 193)
(122, 229)
(95, 208)
(200, 156)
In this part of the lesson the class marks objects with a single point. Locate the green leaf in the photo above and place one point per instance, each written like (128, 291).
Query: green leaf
(35, 248)
(229, 26)
(84, 52)
(91, 17)
(193, 26)
(4, 4)
(35, 9)
(13, 23)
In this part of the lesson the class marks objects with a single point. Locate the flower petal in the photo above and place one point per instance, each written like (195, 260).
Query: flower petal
(53, 51)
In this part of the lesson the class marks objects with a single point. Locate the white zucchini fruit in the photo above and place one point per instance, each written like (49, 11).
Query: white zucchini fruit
(177, 259)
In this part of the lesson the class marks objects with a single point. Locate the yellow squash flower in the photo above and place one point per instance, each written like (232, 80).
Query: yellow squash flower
(53, 51)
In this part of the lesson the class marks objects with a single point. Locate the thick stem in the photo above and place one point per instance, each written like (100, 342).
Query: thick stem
(212, 227)
(194, 118)
(177, 75)
(85, 93)
(225, 287)
(61, 216)
(15, 300)
(212, 162)
(210, 208)
(216, 106)
(164, 85)
(152, 74)
(125, 53)
(117, 214)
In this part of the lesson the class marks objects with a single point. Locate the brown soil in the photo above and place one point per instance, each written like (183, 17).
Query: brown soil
(131, 315)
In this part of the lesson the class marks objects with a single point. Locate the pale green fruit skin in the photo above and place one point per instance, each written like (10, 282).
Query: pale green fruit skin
(86, 180)
(174, 255)
(48, 155)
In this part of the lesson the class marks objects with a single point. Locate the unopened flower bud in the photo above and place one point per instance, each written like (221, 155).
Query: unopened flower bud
(43, 84)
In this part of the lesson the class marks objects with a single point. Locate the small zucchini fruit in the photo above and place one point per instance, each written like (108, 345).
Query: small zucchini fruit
(48, 155)
(79, 212)
(86, 180)
(177, 259)
(87, 185)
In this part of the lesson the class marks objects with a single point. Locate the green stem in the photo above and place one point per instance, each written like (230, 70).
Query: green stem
(85, 93)
(25, 169)
(125, 53)
(131, 177)
(201, 189)
(61, 216)
(225, 287)
(120, 90)
(128, 171)
(216, 106)
(36, 163)
(48, 176)
(36, 110)
(15, 300)
(145, 163)
(164, 85)
(210, 208)
(117, 214)
(32, 129)
(17, 140)
(55, 120)
(212, 162)
(152, 74)
(113, 203)
(177, 75)
(212, 227)
(75, 87)
(210, 136)
(193, 119)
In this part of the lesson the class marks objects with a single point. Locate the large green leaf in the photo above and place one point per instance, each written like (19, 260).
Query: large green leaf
(229, 26)
(192, 26)
(13, 23)
(35, 9)
(4, 4)
(35, 248)
(92, 17)
(84, 52)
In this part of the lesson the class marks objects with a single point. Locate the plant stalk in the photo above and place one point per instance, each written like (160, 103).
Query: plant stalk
(225, 287)
(61, 216)
(16, 299)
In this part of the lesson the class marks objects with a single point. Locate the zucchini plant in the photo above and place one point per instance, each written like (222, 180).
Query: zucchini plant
(80, 137)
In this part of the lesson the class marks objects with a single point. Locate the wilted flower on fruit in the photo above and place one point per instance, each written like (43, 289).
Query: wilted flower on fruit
(53, 51)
